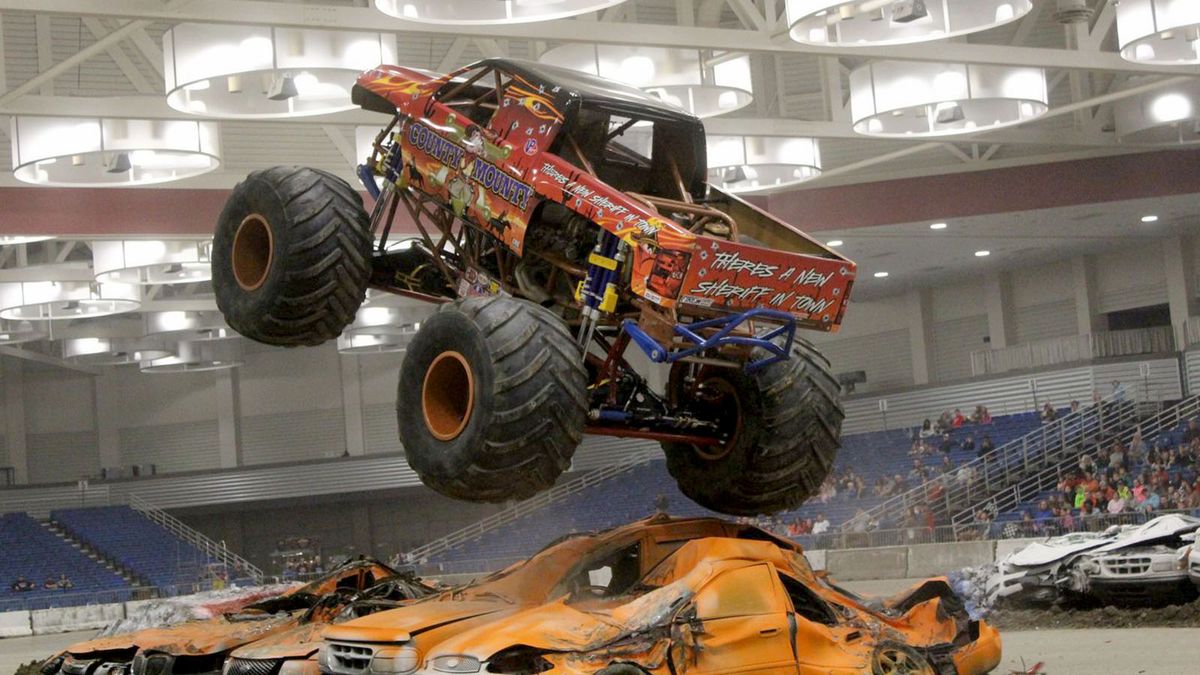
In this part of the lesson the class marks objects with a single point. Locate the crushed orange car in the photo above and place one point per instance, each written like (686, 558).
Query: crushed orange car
(668, 597)
(201, 647)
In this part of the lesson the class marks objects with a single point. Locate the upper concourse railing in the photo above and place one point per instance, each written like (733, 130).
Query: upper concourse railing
(1077, 348)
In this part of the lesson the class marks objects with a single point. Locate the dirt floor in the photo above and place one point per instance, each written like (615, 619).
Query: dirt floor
(1174, 616)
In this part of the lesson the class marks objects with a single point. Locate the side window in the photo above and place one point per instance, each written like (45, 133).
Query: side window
(806, 603)
(608, 575)
(746, 591)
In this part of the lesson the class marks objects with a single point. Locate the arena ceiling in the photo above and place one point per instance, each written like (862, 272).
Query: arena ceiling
(104, 57)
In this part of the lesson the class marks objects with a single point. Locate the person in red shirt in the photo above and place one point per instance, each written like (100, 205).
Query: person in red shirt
(958, 420)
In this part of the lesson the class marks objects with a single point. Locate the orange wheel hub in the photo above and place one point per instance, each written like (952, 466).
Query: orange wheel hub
(448, 395)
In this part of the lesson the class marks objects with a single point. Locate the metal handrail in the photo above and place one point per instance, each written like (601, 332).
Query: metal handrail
(207, 546)
(1017, 493)
(422, 553)
(988, 465)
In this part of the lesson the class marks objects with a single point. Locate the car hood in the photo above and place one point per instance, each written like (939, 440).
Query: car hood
(555, 626)
(1039, 553)
(1158, 530)
(297, 642)
(194, 638)
(400, 624)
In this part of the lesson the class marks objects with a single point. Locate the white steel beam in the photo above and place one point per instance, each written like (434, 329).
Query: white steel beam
(119, 57)
(47, 75)
(45, 50)
(150, 49)
(3, 65)
(259, 12)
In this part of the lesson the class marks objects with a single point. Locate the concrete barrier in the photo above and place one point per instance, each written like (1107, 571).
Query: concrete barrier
(930, 560)
(816, 559)
(1004, 547)
(889, 562)
(15, 624)
(66, 619)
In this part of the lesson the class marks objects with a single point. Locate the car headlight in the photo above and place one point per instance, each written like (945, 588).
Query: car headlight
(456, 663)
(1162, 565)
(395, 660)
(157, 664)
(323, 659)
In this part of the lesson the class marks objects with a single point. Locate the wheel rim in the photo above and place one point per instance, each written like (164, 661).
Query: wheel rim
(448, 395)
(719, 394)
(891, 661)
(253, 251)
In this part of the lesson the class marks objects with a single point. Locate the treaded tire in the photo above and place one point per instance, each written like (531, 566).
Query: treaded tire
(788, 437)
(897, 658)
(304, 274)
(519, 411)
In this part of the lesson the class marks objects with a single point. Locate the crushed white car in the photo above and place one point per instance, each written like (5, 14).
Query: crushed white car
(1123, 564)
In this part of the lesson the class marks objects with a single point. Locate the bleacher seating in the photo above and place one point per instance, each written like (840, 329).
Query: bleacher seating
(134, 541)
(30, 550)
(631, 495)
(1172, 438)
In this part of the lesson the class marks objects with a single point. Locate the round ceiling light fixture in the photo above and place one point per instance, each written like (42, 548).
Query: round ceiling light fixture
(198, 356)
(485, 12)
(744, 164)
(684, 78)
(111, 152)
(147, 262)
(858, 23)
(15, 239)
(264, 72)
(899, 99)
(17, 332)
(52, 300)
(1167, 116)
(94, 351)
(1165, 32)
(188, 325)
(381, 329)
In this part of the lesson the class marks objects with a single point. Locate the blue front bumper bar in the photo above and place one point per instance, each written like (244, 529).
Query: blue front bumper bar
(726, 325)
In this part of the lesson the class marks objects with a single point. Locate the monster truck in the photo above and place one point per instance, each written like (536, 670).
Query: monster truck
(558, 218)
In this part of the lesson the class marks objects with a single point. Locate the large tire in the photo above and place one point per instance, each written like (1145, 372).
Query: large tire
(784, 422)
(492, 400)
(291, 256)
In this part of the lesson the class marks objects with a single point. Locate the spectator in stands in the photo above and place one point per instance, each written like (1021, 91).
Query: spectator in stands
(944, 423)
(1116, 458)
(986, 445)
(981, 415)
(947, 465)
(947, 444)
(1080, 495)
(965, 475)
(1043, 513)
(958, 420)
(926, 428)
(821, 524)
(899, 485)
(661, 503)
(1118, 391)
(1074, 406)
(1192, 433)
(1086, 463)
(1049, 414)
(918, 474)
(22, 584)
(968, 443)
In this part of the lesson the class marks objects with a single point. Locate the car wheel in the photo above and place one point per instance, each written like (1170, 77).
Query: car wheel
(291, 256)
(492, 399)
(893, 658)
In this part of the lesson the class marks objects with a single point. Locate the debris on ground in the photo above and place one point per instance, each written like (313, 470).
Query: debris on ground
(31, 668)
(181, 609)
(1055, 617)
(970, 583)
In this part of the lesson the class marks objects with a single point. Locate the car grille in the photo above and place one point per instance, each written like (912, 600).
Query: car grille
(347, 659)
(1126, 566)
(252, 667)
